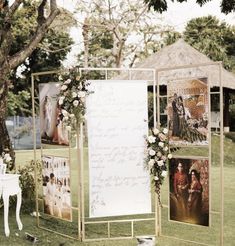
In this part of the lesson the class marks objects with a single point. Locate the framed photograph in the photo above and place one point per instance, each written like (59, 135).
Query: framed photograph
(189, 190)
(56, 187)
(53, 130)
(188, 112)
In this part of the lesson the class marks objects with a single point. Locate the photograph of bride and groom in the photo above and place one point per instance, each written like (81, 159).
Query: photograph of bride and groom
(188, 112)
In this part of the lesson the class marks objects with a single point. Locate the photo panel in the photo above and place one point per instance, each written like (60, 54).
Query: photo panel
(189, 190)
(56, 187)
(53, 130)
(188, 112)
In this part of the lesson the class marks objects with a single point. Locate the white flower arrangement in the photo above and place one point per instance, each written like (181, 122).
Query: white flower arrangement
(158, 153)
(73, 90)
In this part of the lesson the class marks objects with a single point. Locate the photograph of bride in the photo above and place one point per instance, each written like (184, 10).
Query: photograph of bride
(53, 130)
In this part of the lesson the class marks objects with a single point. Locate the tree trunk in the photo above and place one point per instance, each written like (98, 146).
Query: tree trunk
(5, 142)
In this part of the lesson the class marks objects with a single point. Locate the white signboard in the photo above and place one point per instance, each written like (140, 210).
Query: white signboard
(117, 122)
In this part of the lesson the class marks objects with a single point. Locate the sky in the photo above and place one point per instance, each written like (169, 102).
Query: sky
(177, 15)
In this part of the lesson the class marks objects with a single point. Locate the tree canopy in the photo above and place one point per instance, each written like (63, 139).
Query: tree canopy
(48, 55)
(117, 33)
(211, 37)
(160, 6)
(10, 59)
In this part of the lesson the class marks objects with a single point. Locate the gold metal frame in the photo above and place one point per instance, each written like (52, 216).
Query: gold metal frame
(33, 75)
(156, 109)
(109, 222)
(221, 212)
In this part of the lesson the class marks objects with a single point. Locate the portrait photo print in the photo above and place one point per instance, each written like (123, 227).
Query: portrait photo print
(188, 112)
(56, 187)
(53, 130)
(189, 190)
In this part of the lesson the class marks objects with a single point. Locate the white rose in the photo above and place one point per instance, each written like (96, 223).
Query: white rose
(159, 154)
(64, 112)
(65, 118)
(166, 148)
(68, 81)
(161, 144)
(160, 163)
(64, 87)
(169, 156)
(164, 158)
(7, 157)
(68, 128)
(156, 178)
(165, 131)
(74, 94)
(81, 94)
(75, 103)
(155, 131)
(164, 173)
(151, 139)
(151, 163)
(61, 101)
(152, 152)
(71, 115)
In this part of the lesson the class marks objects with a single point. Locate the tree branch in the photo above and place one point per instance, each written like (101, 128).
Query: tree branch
(14, 7)
(20, 56)
(53, 5)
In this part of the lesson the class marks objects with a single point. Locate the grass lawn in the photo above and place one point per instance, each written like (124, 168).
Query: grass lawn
(208, 235)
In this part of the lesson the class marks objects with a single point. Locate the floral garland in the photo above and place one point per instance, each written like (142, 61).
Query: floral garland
(73, 91)
(157, 155)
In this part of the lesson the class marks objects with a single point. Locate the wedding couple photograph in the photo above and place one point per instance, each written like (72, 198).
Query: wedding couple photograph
(188, 112)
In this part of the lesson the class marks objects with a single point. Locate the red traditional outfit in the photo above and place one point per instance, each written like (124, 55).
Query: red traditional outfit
(181, 184)
(195, 199)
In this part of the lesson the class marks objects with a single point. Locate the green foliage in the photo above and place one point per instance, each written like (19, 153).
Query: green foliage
(47, 56)
(112, 24)
(212, 38)
(227, 6)
(73, 90)
(230, 135)
(18, 102)
(100, 45)
(171, 37)
(156, 160)
(27, 184)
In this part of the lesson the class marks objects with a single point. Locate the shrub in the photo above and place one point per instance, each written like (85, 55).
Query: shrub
(230, 135)
(27, 184)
